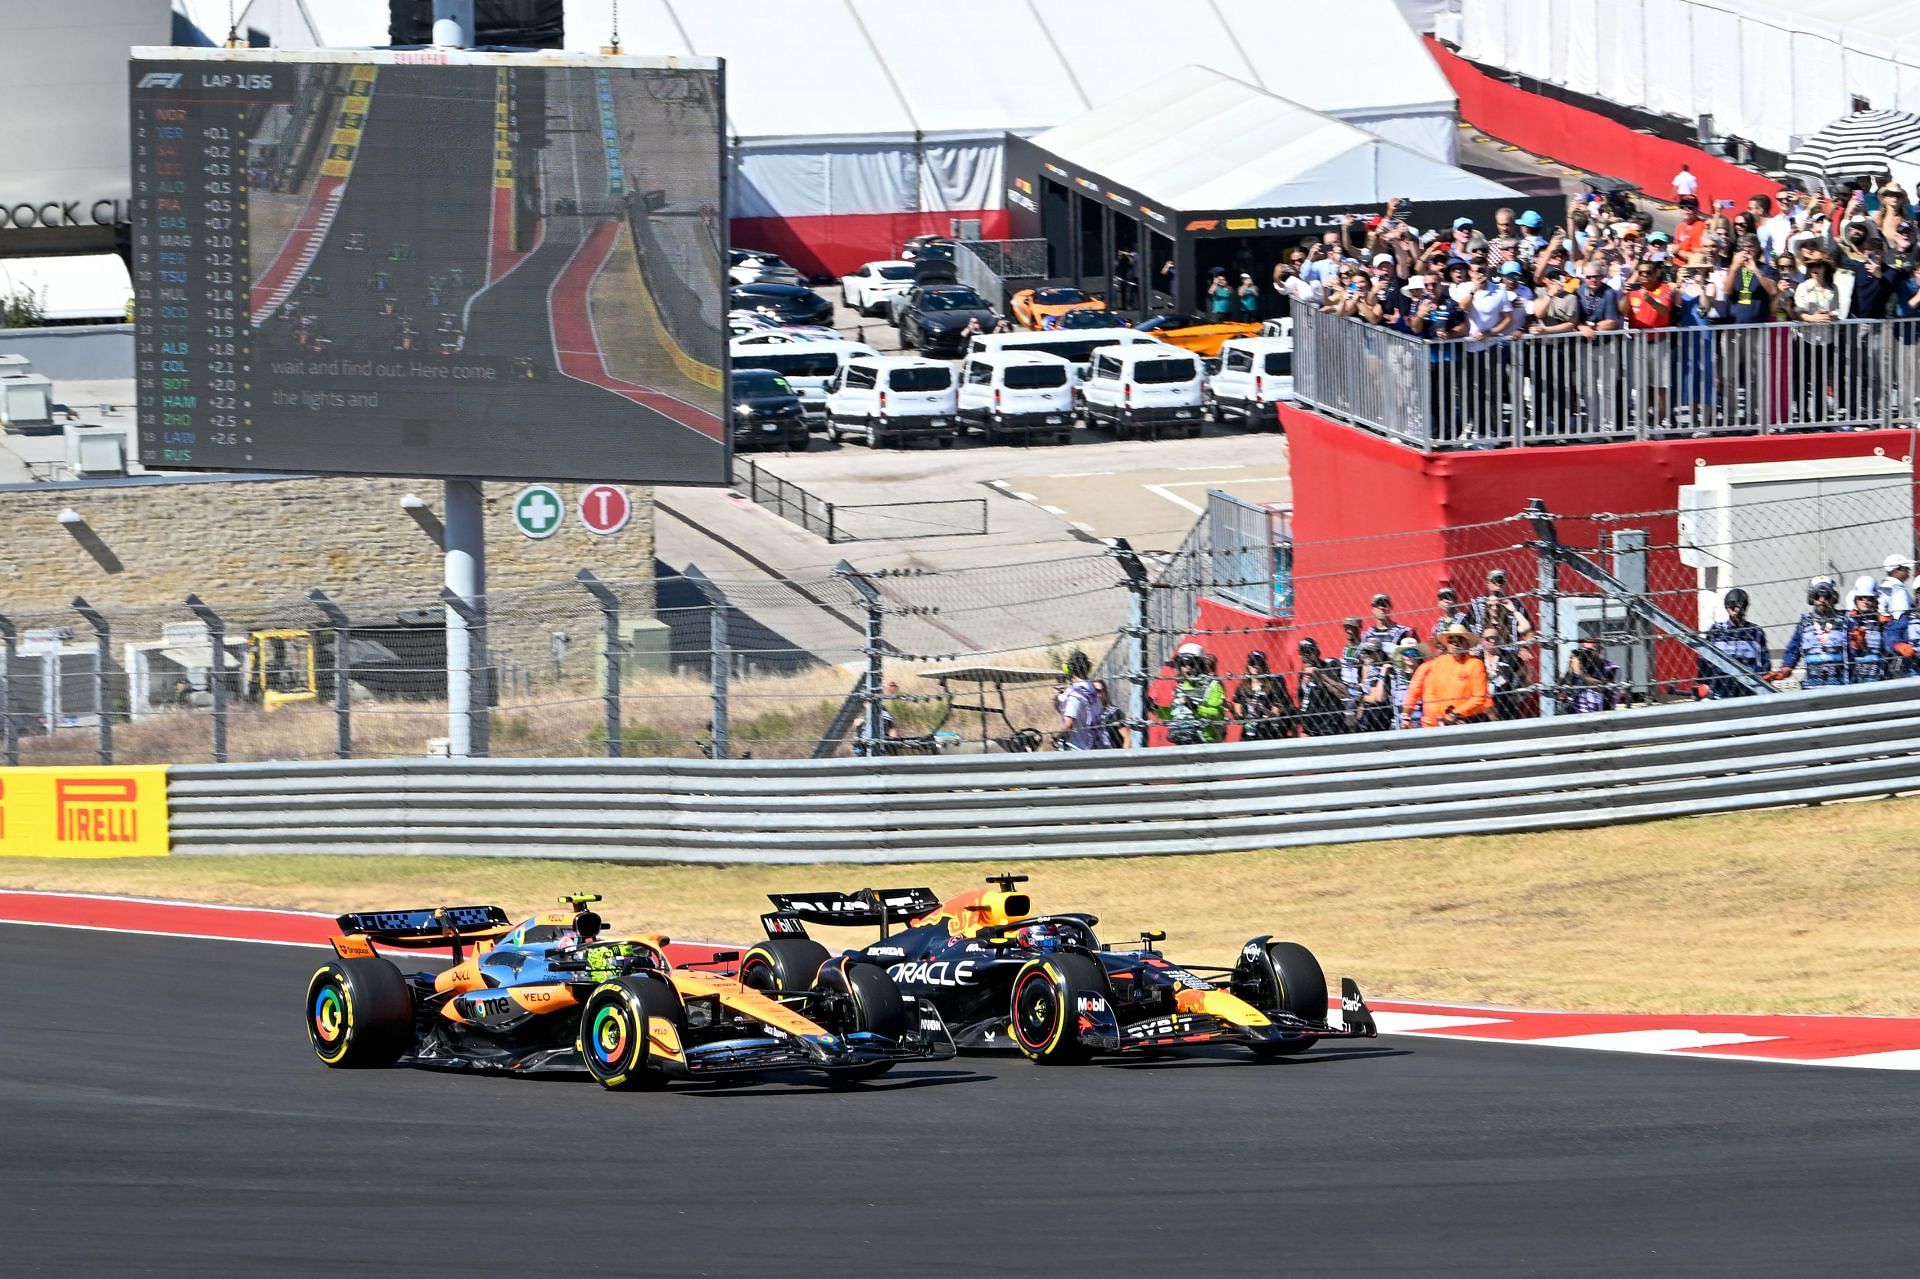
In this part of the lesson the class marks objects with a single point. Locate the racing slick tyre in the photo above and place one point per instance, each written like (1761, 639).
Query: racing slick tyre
(878, 1007)
(1293, 983)
(613, 1034)
(1044, 1013)
(783, 963)
(359, 1013)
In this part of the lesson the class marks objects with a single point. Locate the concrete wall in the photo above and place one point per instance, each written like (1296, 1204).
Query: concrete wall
(74, 353)
(239, 542)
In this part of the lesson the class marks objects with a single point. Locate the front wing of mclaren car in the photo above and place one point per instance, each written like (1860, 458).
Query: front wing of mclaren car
(778, 1049)
(1220, 1021)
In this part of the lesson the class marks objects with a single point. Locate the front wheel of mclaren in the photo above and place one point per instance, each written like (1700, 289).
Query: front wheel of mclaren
(1045, 1007)
(615, 1026)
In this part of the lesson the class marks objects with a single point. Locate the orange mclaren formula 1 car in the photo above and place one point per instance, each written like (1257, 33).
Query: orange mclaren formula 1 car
(559, 992)
(1004, 977)
(1031, 308)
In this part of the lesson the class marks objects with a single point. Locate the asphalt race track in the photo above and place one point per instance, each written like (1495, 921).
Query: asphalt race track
(162, 1114)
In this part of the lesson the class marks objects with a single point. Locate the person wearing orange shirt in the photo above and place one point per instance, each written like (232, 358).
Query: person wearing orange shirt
(1449, 687)
(1648, 305)
(1690, 236)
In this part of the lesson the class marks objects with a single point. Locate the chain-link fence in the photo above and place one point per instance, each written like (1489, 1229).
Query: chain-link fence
(1569, 614)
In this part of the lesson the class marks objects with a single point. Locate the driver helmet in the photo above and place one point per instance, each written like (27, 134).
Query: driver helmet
(1041, 937)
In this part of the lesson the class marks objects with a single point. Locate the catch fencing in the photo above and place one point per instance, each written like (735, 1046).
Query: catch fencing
(1689, 760)
(1567, 388)
(927, 660)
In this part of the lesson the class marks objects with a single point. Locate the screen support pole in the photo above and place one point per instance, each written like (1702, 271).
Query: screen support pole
(466, 577)
(466, 562)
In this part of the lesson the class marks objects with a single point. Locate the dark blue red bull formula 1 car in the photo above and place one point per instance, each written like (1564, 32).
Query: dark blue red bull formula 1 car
(1004, 977)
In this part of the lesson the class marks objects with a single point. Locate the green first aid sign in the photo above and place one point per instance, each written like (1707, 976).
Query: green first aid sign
(537, 511)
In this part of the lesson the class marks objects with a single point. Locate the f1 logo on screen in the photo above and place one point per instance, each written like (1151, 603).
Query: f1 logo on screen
(537, 511)
(604, 509)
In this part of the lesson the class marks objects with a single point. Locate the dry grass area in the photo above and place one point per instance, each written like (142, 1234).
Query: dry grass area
(1807, 910)
(663, 714)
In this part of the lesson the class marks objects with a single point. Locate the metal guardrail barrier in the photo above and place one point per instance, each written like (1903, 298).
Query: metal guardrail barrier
(1737, 379)
(1553, 774)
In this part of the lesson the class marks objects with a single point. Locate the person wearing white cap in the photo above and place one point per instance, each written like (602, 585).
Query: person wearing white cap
(1197, 710)
(1896, 596)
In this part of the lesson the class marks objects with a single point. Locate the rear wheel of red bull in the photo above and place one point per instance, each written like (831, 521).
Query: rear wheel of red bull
(783, 963)
(359, 1013)
(1045, 1012)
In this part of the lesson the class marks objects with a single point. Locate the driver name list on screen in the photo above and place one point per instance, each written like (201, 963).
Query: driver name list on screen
(429, 264)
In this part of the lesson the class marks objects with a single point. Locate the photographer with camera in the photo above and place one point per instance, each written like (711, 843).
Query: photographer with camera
(1323, 693)
(1262, 704)
(1739, 639)
(1591, 682)
(1197, 711)
(1381, 687)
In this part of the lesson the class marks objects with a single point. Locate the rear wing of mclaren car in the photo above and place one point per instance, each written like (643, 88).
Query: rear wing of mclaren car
(455, 927)
(870, 907)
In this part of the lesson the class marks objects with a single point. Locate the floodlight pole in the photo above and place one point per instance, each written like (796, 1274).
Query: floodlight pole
(465, 519)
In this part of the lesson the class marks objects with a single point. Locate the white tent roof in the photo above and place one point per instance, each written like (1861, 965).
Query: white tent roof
(1771, 71)
(87, 287)
(872, 69)
(1164, 141)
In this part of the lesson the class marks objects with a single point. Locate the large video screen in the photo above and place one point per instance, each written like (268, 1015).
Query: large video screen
(432, 263)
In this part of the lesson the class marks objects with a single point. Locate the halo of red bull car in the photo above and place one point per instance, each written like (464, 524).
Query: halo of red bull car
(562, 992)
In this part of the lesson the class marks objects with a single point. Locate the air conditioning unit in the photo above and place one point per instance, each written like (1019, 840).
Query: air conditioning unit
(96, 450)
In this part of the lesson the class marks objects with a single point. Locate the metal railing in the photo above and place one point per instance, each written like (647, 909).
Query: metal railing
(1736, 379)
(1553, 774)
(783, 497)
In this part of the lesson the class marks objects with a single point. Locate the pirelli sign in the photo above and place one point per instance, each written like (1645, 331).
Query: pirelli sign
(83, 812)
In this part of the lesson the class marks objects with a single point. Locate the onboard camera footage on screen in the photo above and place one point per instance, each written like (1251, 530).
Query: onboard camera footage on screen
(429, 264)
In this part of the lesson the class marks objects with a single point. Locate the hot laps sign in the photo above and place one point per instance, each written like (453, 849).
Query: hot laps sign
(83, 812)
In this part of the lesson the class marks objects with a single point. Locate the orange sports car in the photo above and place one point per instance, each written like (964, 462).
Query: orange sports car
(562, 992)
(1032, 307)
(1190, 332)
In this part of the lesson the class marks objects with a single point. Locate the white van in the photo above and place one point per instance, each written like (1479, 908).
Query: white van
(1255, 375)
(809, 367)
(1146, 389)
(888, 400)
(1018, 394)
(1075, 346)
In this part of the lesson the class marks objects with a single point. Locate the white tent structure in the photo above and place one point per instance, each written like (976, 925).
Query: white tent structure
(1769, 71)
(1163, 139)
(894, 111)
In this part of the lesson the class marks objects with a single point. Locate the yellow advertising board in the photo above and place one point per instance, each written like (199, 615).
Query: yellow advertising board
(83, 812)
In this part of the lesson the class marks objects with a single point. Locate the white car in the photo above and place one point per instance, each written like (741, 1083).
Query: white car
(1256, 375)
(752, 266)
(866, 291)
(887, 400)
(811, 368)
(1018, 395)
(741, 323)
(778, 334)
(1145, 389)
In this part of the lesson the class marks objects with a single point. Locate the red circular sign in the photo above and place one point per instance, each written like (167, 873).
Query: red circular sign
(605, 509)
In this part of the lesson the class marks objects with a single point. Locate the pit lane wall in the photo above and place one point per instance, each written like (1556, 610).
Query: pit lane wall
(1578, 771)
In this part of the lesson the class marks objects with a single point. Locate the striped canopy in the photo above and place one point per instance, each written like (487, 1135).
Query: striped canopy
(1857, 145)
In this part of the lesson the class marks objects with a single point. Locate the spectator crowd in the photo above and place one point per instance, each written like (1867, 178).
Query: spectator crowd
(1809, 259)
(1474, 660)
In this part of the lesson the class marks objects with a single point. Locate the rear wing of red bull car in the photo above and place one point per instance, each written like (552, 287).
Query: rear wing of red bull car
(879, 908)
